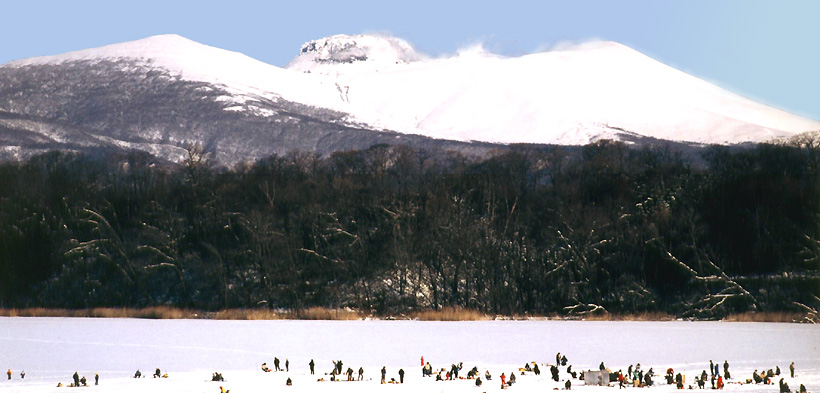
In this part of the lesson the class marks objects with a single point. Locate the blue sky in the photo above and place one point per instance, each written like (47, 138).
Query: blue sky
(768, 51)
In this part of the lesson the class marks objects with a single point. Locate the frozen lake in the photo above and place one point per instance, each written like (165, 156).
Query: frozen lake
(51, 349)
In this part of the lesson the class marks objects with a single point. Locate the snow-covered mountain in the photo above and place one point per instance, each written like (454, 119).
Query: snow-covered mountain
(570, 96)
(162, 93)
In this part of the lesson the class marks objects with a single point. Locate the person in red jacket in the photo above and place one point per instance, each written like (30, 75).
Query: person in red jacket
(503, 380)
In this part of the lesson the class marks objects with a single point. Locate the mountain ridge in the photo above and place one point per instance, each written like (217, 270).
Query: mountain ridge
(379, 84)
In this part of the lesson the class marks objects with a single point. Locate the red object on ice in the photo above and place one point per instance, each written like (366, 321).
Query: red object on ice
(422, 360)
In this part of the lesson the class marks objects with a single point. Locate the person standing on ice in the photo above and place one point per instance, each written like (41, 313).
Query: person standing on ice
(503, 379)
(711, 369)
(311, 364)
(361, 374)
(287, 365)
(9, 373)
(384, 373)
(726, 369)
(791, 369)
(276, 364)
(76, 378)
(401, 375)
(96, 378)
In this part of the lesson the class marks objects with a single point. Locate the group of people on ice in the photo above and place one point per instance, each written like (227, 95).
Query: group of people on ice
(276, 364)
(80, 381)
(22, 374)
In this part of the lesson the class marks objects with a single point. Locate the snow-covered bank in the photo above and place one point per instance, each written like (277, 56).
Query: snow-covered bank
(51, 349)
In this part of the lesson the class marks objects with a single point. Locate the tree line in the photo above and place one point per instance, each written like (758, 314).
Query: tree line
(393, 229)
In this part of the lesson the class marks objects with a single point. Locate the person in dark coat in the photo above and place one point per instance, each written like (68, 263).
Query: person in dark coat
(276, 364)
(602, 367)
(77, 378)
(568, 384)
(791, 369)
(564, 360)
(401, 375)
(311, 364)
(478, 382)
(287, 365)
(384, 372)
(784, 387)
(96, 379)
(536, 370)
(726, 369)
(711, 369)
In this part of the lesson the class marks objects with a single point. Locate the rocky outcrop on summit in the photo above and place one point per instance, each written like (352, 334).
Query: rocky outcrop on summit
(346, 49)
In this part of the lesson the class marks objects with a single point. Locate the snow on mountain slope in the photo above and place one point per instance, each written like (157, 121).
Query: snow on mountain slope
(241, 75)
(568, 97)
(571, 96)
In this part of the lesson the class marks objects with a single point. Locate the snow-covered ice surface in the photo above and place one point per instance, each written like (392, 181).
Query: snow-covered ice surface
(51, 349)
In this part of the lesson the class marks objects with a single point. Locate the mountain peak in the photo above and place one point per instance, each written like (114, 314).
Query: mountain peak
(161, 48)
(349, 49)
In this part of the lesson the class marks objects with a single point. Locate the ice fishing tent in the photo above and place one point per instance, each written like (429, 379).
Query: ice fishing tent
(596, 378)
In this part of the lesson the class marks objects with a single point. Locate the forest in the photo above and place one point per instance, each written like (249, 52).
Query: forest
(391, 229)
